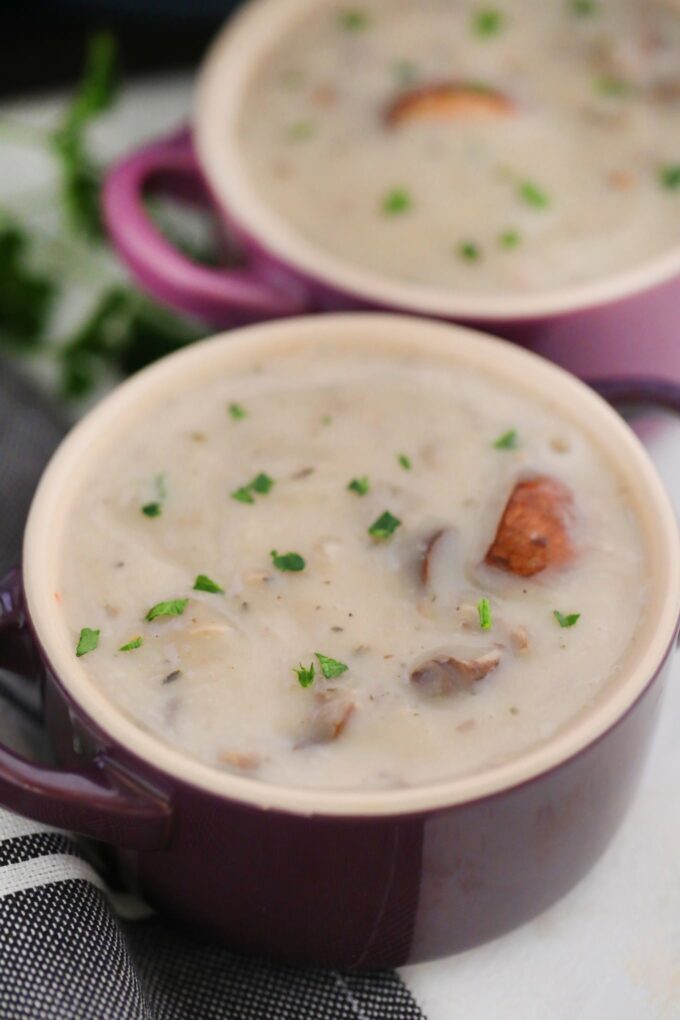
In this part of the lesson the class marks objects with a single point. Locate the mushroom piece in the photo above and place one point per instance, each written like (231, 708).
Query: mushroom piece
(533, 532)
(441, 558)
(446, 674)
(328, 720)
(448, 101)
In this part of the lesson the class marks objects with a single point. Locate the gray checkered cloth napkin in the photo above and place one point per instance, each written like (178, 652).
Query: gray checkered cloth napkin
(72, 945)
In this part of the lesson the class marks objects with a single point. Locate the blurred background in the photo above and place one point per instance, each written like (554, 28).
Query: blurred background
(43, 39)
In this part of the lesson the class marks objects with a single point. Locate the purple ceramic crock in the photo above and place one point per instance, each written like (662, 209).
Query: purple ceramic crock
(350, 879)
(618, 324)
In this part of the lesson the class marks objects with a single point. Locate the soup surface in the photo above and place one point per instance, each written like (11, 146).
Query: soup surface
(512, 146)
(344, 569)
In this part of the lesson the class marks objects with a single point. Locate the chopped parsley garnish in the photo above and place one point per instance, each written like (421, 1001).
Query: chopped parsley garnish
(173, 607)
(396, 202)
(488, 22)
(610, 85)
(360, 485)
(670, 176)
(261, 484)
(353, 19)
(404, 461)
(155, 508)
(305, 674)
(583, 8)
(87, 642)
(204, 583)
(509, 239)
(301, 130)
(237, 412)
(327, 419)
(291, 561)
(566, 620)
(508, 441)
(385, 526)
(243, 495)
(131, 645)
(330, 667)
(484, 610)
(469, 251)
(532, 194)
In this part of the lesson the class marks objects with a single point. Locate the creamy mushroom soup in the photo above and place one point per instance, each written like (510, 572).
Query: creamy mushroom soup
(510, 146)
(344, 568)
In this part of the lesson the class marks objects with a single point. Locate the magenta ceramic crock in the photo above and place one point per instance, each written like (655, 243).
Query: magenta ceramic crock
(331, 878)
(623, 323)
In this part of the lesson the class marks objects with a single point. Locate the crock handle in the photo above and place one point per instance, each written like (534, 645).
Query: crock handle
(222, 296)
(101, 799)
(638, 391)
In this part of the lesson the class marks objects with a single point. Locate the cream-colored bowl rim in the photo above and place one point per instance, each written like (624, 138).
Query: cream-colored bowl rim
(222, 87)
(521, 370)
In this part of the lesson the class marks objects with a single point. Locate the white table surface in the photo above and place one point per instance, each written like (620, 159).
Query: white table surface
(611, 949)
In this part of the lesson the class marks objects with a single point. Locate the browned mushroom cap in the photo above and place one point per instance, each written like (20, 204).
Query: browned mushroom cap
(448, 101)
(534, 530)
(328, 720)
(446, 674)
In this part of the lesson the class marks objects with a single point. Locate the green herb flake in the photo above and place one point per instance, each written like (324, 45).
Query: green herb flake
(610, 85)
(533, 195)
(583, 8)
(262, 484)
(237, 412)
(243, 495)
(330, 667)
(131, 645)
(352, 19)
(327, 419)
(173, 607)
(396, 202)
(404, 461)
(469, 251)
(152, 509)
(484, 611)
(385, 526)
(510, 239)
(360, 485)
(301, 131)
(669, 176)
(291, 561)
(566, 620)
(305, 674)
(508, 441)
(87, 642)
(204, 583)
(488, 22)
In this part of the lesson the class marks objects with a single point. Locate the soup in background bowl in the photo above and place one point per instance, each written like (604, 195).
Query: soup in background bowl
(482, 148)
(520, 174)
(514, 526)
